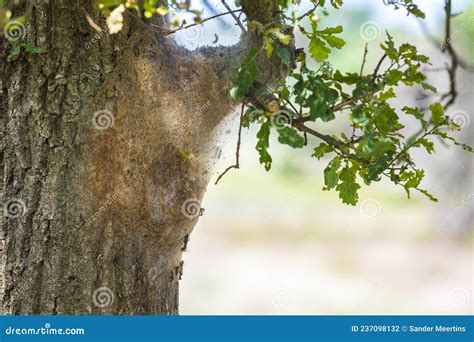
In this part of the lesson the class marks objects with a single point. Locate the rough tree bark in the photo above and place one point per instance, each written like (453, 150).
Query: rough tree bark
(93, 133)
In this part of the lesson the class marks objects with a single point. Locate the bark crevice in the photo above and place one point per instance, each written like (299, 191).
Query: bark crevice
(106, 205)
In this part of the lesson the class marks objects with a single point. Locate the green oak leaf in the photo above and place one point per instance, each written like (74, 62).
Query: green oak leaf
(263, 144)
(289, 136)
(330, 173)
(348, 187)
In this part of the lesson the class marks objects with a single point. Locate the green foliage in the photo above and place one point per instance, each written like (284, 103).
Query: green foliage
(184, 154)
(334, 3)
(246, 75)
(315, 92)
(331, 175)
(14, 31)
(320, 39)
(263, 137)
(148, 7)
(321, 150)
(348, 186)
(289, 136)
(375, 144)
(17, 46)
(409, 5)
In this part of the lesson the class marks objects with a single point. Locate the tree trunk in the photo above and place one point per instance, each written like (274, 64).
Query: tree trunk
(105, 159)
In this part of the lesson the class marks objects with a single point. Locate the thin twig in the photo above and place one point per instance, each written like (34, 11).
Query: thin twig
(339, 106)
(307, 13)
(234, 16)
(446, 46)
(90, 21)
(335, 144)
(237, 151)
(167, 32)
(364, 59)
(352, 100)
(454, 57)
(414, 141)
(379, 64)
(293, 107)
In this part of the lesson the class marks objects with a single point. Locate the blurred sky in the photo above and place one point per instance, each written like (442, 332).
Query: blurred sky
(375, 9)
(275, 243)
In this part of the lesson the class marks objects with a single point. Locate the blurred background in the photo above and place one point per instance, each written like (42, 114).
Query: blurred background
(275, 243)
